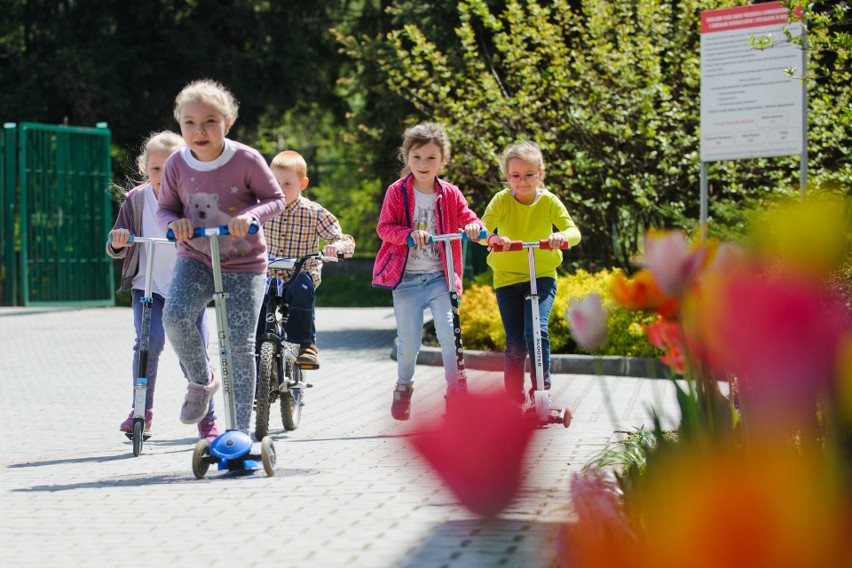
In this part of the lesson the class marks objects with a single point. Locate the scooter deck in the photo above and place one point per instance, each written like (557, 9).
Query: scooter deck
(557, 416)
(145, 436)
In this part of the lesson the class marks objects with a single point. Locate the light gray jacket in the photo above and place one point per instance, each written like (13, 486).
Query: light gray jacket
(130, 218)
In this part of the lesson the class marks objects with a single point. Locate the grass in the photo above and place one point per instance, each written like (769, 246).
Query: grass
(352, 291)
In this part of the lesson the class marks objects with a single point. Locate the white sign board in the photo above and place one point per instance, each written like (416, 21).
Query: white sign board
(749, 107)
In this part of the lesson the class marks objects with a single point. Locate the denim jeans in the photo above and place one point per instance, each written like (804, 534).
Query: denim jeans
(411, 297)
(157, 341)
(516, 313)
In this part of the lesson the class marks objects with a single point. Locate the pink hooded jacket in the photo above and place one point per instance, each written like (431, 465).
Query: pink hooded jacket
(451, 212)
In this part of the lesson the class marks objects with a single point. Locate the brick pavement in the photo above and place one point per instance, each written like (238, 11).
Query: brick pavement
(347, 491)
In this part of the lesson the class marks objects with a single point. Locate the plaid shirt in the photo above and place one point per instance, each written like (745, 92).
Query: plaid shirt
(297, 231)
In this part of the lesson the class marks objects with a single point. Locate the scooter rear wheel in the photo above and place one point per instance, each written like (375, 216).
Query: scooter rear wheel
(200, 465)
(267, 455)
(137, 437)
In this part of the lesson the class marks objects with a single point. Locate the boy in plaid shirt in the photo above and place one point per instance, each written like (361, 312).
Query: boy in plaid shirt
(295, 232)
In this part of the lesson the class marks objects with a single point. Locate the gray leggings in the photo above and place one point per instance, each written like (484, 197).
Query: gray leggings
(191, 290)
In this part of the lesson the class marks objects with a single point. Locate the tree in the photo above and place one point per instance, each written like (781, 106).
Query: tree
(610, 90)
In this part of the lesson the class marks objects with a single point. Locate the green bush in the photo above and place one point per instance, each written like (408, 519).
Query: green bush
(482, 328)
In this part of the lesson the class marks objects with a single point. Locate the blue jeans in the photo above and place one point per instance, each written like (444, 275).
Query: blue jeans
(157, 341)
(301, 297)
(411, 297)
(516, 313)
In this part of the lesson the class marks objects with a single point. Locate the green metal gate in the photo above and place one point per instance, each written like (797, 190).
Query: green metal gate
(64, 214)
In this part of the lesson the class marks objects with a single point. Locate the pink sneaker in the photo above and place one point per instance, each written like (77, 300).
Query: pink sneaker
(208, 429)
(127, 425)
(197, 401)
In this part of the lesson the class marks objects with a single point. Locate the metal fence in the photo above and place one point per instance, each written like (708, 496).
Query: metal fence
(57, 211)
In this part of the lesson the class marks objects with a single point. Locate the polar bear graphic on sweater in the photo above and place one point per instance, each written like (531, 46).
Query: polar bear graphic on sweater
(205, 212)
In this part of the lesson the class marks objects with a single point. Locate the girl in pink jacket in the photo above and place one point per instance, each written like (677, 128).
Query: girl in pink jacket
(418, 205)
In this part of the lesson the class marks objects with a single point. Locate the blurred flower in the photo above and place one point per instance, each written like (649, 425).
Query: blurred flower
(587, 320)
(671, 260)
(845, 379)
(666, 335)
(642, 293)
(777, 333)
(602, 536)
(769, 507)
(478, 450)
(811, 234)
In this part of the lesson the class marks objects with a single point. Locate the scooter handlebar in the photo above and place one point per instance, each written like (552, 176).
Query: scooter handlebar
(254, 227)
(450, 237)
(542, 244)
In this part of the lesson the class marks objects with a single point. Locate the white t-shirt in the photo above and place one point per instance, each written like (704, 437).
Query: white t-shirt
(425, 259)
(164, 256)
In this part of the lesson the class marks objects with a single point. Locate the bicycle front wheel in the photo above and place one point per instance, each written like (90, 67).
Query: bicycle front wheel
(267, 382)
(291, 401)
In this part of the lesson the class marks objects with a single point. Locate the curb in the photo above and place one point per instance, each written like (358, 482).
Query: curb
(610, 365)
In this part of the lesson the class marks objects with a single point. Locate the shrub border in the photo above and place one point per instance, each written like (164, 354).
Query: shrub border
(611, 365)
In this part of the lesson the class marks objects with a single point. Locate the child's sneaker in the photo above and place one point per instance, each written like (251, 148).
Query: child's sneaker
(401, 406)
(197, 401)
(308, 356)
(207, 429)
(453, 396)
(127, 425)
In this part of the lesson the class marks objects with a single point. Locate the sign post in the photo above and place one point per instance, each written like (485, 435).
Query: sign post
(749, 106)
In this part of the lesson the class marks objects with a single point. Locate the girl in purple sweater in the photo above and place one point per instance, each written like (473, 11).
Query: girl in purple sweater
(215, 181)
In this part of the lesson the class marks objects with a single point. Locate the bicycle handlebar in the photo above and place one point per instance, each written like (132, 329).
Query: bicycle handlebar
(450, 237)
(210, 231)
(520, 245)
(296, 264)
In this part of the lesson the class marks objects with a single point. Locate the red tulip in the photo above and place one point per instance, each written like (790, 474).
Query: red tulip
(478, 450)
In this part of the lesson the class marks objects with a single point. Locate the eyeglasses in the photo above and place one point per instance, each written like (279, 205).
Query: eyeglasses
(529, 178)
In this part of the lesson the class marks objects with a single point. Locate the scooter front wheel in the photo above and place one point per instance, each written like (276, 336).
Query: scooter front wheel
(200, 465)
(267, 455)
(138, 426)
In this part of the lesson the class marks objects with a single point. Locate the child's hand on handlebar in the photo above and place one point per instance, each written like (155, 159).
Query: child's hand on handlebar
(556, 240)
(119, 238)
(420, 238)
(330, 251)
(238, 226)
(182, 228)
(499, 241)
(472, 230)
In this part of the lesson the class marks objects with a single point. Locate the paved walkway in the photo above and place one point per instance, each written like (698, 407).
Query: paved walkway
(348, 492)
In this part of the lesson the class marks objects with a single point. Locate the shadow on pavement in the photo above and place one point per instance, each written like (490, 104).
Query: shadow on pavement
(488, 542)
(163, 479)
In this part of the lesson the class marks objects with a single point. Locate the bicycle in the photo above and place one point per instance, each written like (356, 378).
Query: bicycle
(279, 375)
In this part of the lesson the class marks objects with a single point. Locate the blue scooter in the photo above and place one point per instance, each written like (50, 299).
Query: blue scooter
(232, 450)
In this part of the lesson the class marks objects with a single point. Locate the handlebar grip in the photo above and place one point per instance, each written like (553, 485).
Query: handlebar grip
(482, 234)
(546, 245)
(411, 241)
(542, 244)
(449, 237)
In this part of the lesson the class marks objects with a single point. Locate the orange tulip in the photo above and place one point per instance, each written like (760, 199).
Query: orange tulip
(642, 293)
